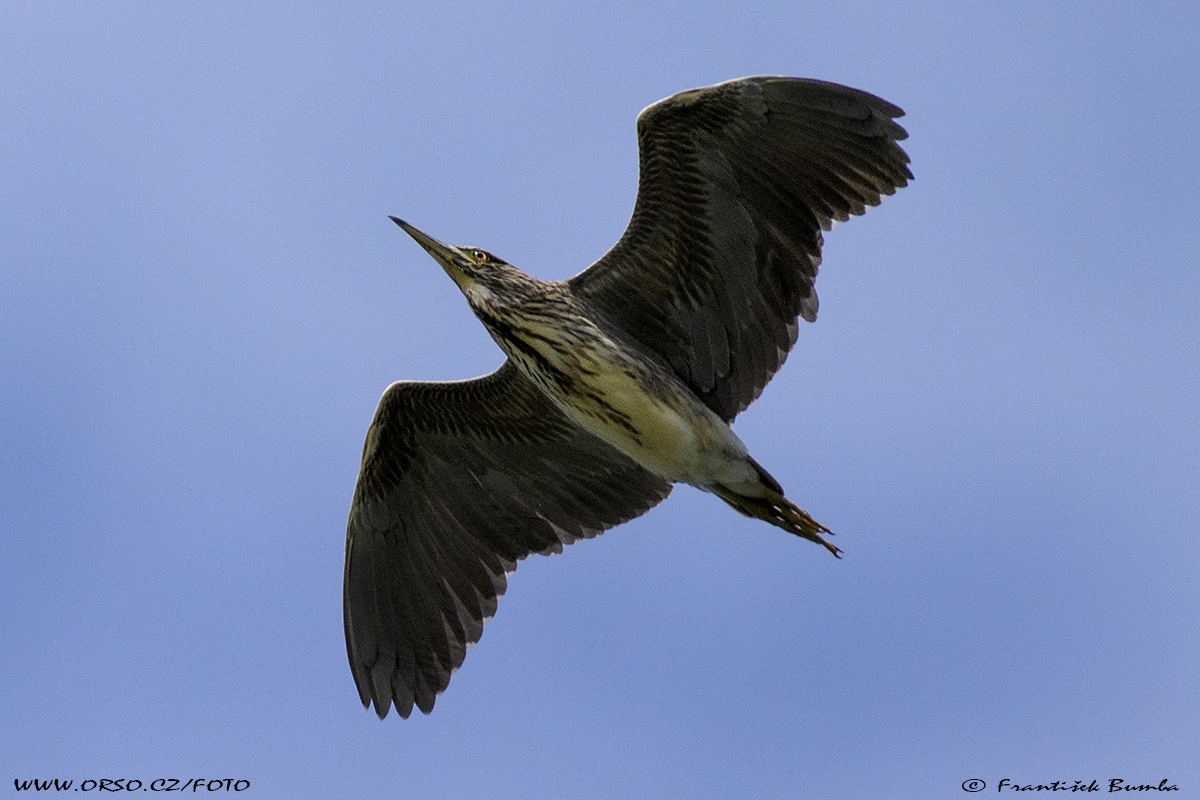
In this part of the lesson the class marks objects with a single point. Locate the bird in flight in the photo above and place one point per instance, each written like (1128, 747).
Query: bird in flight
(618, 382)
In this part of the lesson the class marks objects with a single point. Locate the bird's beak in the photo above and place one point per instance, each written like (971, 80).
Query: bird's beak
(442, 253)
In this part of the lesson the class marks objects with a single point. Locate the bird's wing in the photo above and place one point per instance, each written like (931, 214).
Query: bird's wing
(458, 482)
(737, 181)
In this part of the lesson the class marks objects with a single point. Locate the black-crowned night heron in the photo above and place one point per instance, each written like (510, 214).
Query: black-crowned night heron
(619, 382)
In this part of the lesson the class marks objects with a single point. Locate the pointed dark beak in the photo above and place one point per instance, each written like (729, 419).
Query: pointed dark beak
(444, 254)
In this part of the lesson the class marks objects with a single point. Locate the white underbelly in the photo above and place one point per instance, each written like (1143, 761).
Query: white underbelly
(681, 440)
(645, 412)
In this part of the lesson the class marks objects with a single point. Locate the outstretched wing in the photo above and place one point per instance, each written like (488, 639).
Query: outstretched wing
(459, 481)
(737, 181)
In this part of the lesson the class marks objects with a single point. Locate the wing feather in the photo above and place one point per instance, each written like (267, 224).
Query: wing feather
(459, 481)
(737, 183)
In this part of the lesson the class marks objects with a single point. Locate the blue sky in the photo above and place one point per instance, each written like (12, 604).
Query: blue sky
(202, 299)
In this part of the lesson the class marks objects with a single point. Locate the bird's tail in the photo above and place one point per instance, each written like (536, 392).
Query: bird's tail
(776, 509)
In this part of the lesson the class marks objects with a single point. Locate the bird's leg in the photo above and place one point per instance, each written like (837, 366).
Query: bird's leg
(799, 522)
(780, 512)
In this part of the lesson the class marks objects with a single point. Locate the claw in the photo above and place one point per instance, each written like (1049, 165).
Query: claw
(780, 512)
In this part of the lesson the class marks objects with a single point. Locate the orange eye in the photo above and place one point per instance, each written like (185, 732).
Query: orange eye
(480, 257)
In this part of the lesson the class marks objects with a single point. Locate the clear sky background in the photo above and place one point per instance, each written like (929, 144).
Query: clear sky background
(998, 411)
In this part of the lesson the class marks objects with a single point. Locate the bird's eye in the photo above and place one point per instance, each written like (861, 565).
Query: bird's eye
(480, 257)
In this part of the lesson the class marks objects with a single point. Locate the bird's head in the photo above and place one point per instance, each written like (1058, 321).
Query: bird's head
(487, 281)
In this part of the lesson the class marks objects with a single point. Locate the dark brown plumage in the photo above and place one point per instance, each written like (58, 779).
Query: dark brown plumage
(461, 480)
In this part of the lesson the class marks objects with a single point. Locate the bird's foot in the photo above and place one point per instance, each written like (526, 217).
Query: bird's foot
(798, 521)
(780, 512)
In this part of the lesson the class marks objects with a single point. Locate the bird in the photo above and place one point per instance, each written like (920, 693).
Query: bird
(618, 382)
